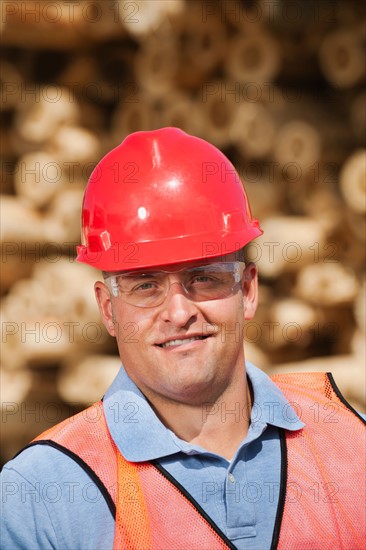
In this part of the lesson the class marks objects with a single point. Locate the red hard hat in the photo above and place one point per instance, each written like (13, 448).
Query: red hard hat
(163, 197)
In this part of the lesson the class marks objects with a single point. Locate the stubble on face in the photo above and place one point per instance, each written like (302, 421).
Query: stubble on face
(199, 374)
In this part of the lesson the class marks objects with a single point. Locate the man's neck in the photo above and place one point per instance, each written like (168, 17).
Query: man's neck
(218, 426)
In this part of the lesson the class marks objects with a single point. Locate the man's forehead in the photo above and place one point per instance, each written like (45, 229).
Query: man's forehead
(183, 265)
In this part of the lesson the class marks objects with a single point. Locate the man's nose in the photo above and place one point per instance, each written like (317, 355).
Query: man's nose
(178, 308)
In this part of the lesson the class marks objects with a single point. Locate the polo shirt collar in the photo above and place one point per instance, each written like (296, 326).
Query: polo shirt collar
(270, 406)
(141, 436)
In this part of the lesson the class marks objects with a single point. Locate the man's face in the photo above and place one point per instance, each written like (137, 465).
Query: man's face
(182, 350)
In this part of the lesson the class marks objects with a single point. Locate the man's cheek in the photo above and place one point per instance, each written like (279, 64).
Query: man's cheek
(127, 332)
(232, 333)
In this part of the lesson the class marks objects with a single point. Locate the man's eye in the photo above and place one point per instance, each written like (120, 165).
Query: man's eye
(150, 285)
(203, 279)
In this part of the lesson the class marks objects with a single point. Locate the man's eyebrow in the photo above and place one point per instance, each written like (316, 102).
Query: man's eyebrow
(141, 275)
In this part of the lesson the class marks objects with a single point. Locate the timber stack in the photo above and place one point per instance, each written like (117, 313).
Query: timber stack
(279, 87)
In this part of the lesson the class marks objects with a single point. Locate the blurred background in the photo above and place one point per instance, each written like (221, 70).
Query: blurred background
(278, 85)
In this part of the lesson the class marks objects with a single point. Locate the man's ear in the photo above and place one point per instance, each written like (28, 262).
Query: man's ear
(105, 306)
(250, 290)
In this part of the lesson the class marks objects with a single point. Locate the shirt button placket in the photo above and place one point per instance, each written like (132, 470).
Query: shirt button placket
(240, 513)
(231, 478)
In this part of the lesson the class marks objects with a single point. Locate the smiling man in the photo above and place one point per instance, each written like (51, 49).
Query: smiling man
(192, 447)
(188, 350)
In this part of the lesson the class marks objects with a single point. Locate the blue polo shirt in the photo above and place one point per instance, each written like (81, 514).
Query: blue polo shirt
(48, 501)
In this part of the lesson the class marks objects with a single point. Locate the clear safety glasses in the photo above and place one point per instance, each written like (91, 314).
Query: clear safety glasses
(203, 282)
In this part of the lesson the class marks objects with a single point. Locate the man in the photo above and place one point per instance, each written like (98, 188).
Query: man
(192, 446)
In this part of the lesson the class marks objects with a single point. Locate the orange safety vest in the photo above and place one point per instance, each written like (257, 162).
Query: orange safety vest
(322, 489)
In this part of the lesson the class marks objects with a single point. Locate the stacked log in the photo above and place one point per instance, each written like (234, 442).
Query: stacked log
(279, 89)
(45, 316)
(342, 58)
(253, 130)
(353, 182)
(81, 380)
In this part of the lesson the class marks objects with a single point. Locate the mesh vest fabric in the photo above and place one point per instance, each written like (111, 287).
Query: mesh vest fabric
(159, 517)
(324, 497)
(326, 494)
(87, 436)
(145, 500)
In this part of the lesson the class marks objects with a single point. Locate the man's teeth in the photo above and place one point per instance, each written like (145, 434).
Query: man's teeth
(182, 341)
